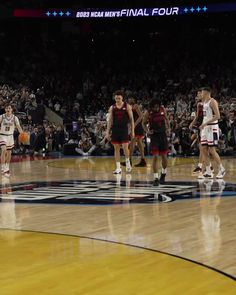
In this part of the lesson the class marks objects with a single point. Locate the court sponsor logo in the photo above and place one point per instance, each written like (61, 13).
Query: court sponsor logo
(113, 192)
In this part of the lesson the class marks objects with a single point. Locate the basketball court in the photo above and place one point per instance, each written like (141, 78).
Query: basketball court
(69, 226)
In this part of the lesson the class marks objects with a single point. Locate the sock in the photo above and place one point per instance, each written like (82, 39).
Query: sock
(221, 167)
(163, 171)
(7, 166)
(208, 169)
(127, 161)
(155, 175)
(118, 165)
(200, 165)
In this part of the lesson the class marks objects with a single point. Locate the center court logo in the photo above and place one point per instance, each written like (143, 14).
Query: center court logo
(111, 192)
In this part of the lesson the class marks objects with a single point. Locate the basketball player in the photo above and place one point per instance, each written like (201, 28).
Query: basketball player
(120, 115)
(196, 123)
(210, 134)
(156, 123)
(8, 122)
(139, 133)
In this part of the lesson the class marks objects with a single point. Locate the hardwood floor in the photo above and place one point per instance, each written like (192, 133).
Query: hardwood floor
(200, 228)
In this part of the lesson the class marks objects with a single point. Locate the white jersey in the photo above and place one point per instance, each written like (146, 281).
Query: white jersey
(8, 124)
(208, 113)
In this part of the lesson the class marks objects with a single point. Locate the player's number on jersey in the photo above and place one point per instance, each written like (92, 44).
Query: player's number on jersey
(7, 128)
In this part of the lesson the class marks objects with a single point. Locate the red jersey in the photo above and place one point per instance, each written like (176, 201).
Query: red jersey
(157, 120)
(120, 116)
(200, 113)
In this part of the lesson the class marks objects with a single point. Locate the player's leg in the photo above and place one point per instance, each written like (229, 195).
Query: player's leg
(205, 139)
(3, 157)
(140, 144)
(9, 147)
(127, 156)
(8, 160)
(163, 149)
(131, 148)
(217, 159)
(154, 149)
(199, 167)
(206, 160)
(164, 163)
(117, 158)
(213, 138)
(155, 170)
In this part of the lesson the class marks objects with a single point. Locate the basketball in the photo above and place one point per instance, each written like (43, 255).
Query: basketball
(24, 138)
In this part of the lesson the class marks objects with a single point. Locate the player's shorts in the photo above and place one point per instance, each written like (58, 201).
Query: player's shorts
(159, 144)
(210, 135)
(139, 132)
(120, 135)
(7, 140)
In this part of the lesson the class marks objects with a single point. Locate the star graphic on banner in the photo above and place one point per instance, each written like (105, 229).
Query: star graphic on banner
(61, 13)
(186, 10)
(55, 13)
(192, 9)
(204, 8)
(48, 13)
(68, 13)
(198, 9)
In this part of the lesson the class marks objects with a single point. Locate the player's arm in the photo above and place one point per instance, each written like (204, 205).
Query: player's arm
(131, 118)
(167, 122)
(17, 123)
(140, 115)
(110, 122)
(145, 122)
(216, 113)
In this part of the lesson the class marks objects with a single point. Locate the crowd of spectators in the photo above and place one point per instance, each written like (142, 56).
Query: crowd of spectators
(75, 74)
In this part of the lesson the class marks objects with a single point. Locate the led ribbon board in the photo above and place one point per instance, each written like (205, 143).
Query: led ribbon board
(126, 13)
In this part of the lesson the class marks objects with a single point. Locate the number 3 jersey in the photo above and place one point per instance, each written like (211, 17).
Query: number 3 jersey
(8, 124)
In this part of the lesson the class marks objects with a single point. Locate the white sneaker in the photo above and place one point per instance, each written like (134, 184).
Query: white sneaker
(220, 174)
(128, 169)
(117, 171)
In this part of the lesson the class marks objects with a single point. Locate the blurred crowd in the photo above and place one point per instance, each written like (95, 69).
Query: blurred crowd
(74, 68)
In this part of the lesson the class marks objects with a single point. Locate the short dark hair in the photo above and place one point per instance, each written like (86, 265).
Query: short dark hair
(7, 105)
(207, 88)
(154, 102)
(131, 96)
(119, 92)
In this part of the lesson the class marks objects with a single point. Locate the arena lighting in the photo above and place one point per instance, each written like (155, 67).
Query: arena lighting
(128, 12)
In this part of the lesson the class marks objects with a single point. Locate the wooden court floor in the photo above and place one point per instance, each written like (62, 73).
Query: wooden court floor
(110, 244)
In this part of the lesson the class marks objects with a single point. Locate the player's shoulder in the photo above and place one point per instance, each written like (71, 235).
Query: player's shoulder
(127, 105)
(213, 100)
